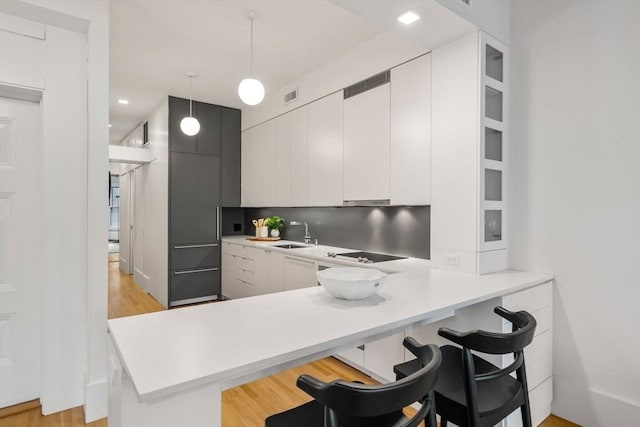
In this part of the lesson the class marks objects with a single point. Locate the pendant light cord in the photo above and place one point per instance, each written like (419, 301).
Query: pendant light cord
(251, 69)
(190, 96)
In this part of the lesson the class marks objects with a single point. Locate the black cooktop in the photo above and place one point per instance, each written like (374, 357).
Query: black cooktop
(370, 257)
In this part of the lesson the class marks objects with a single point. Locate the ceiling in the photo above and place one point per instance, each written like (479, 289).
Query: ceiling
(154, 43)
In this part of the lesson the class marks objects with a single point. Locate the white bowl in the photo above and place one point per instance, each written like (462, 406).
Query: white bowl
(351, 283)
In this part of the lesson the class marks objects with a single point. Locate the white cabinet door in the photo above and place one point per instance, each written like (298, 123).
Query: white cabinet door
(283, 164)
(299, 157)
(325, 165)
(299, 273)
(366, 145)
(269, 272)
(411, 133)
(258, 165)
(381, 356)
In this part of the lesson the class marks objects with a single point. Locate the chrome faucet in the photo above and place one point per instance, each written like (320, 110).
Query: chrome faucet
(307, 236)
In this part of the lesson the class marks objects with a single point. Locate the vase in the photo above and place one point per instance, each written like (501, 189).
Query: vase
(275, 233)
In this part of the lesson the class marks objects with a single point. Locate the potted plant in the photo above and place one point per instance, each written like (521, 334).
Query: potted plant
(276, 224)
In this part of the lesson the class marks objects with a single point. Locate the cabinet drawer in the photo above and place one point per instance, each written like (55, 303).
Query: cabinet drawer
(246, 276)
(230, 248)
(530, 300)
(544, 320)
(195, 283)
(194, 256)
(247, 264)
(538, 358)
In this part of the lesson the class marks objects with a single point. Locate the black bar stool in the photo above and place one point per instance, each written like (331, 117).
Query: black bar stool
(342, 403)
(473, 392)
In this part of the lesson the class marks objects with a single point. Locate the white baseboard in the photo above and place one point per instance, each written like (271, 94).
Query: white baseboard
(591, 408)
(95, 401)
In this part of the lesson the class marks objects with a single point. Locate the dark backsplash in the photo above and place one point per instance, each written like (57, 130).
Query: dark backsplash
(398, 230)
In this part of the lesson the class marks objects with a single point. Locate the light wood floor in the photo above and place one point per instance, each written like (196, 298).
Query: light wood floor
(244, 406)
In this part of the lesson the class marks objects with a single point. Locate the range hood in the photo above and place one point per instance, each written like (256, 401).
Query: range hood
(377, 202)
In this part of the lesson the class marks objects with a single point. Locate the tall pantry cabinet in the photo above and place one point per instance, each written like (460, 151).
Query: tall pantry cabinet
(204, 176)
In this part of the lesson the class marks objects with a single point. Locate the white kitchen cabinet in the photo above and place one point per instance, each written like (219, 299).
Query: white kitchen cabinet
(269, 272)
(469, 149)
(382, 355)
(366, 145)
(291, 158)
(299, 157)
(325, 151)
(410, 147)
(258, 170)
(238, 271)
(299, 273)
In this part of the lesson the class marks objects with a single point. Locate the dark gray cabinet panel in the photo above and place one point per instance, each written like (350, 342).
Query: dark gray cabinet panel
(231, 157)
(194, 198)
(210, 118)
(195, 255)
(178, 141)
(197, 283)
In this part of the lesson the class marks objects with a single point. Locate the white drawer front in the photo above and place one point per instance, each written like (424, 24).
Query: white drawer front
(247, 264)
(531, 300)
(538, 358)
(540, 399)
(544, 320)
(249, 253)
(246, 276)
(232, 248)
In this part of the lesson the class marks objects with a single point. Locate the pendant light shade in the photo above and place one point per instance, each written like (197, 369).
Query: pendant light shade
(190, 125)
(250, 90)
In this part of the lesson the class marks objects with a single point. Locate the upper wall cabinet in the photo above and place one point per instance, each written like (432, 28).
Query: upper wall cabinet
(366, 145)
(410, 151)
(230, 150)
(291, 158)
(208, 140)
(258, 165)
(325, 147)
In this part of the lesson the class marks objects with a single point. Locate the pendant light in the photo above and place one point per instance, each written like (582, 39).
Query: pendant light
(251, 91)
(190, 125)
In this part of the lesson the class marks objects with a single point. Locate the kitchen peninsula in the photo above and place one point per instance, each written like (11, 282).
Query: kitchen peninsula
(170, 368)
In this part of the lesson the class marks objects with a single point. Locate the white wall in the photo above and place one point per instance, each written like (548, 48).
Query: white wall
(65, 200)
(382, 52)
(575, 193)
(156, 206)
(75, 111)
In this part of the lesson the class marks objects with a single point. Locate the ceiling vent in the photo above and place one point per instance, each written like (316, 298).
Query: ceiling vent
(291, 96)
(467, 2)
(367, 84)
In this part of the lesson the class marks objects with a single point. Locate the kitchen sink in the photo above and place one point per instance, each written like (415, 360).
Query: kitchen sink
(290, 246)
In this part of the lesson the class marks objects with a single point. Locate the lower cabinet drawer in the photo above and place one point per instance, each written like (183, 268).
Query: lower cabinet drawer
(194, 255)
(196, 283)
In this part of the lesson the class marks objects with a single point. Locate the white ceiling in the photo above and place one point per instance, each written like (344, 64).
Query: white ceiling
(154, 43)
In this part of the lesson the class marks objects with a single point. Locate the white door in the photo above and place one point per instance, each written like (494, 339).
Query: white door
(21, 243)
(125, 223)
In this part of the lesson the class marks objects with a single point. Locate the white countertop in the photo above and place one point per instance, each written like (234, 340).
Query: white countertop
(319, 253)
(172, 351)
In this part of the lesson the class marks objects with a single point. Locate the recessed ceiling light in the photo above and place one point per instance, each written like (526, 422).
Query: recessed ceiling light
(408, 17)
(109, 124)
(123, 101)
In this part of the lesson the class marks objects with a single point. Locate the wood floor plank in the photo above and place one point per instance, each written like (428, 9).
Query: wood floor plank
(244, 406)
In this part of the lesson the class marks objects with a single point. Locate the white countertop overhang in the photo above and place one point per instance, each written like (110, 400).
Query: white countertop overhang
(230, 342)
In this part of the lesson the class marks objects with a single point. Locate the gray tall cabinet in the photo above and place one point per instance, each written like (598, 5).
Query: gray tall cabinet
(204, 176)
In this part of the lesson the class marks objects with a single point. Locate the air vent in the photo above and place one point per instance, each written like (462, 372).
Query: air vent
(367, 84)
(291, 96)
(145, 133)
